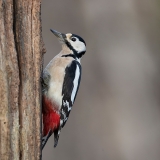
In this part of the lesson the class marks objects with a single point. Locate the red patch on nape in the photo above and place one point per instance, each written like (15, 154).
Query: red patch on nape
(51, 119)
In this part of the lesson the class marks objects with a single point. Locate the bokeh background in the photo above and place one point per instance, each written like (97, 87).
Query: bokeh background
(116, 115)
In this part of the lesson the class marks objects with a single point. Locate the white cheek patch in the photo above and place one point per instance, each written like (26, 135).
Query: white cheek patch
(78, 46)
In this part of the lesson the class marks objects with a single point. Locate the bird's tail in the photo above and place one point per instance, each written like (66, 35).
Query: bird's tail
(45, 139)
(56, 137)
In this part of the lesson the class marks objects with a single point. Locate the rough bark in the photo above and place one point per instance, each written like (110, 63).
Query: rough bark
(21, 52)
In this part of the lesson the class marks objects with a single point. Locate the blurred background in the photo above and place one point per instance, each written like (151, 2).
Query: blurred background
(116, 115)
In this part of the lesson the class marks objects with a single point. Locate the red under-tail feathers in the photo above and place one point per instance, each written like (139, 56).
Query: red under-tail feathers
(51, 119)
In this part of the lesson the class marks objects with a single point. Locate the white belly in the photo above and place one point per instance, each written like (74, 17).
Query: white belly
(55, 93)
(56, 68)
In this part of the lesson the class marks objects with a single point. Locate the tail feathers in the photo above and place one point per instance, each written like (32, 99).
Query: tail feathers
(45, 139)
(56, 137)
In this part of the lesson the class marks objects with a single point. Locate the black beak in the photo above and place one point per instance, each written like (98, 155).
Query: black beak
(59, 35)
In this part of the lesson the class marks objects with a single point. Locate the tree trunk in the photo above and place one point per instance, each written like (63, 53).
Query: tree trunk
(21, 51)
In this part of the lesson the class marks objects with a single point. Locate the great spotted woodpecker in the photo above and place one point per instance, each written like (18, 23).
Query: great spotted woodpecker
(60, 83)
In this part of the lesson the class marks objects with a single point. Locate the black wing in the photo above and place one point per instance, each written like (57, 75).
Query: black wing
(69, 91)
(70, 88)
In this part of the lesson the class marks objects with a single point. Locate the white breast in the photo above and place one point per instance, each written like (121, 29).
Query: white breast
(56, 84)
(56, 69)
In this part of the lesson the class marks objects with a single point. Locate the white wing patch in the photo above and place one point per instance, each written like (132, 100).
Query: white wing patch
(66, 104)
(61, 122)
(64, 114)
(70, 88)
(75, 83)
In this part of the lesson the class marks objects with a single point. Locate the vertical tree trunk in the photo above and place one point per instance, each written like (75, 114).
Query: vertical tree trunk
(20, 69)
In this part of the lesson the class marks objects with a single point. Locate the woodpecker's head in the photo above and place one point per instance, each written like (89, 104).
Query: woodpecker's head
(74, 42)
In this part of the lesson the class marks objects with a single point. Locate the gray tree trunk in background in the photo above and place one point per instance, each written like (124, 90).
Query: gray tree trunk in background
(21, 51)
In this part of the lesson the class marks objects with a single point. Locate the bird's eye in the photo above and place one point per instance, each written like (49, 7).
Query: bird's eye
(73, 39)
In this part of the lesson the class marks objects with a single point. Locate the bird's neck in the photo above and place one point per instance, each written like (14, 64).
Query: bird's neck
(66, 52)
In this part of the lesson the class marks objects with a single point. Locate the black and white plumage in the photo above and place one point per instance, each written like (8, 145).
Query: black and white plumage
(70, 87)
(60, 84)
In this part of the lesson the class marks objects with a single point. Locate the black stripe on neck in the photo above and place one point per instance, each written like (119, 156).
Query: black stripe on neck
(78, 55)
(70, 55)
